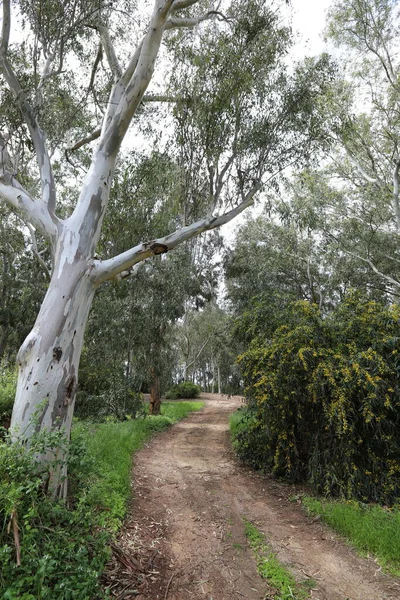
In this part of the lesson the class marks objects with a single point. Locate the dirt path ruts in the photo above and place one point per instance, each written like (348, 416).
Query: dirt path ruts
(184, 538)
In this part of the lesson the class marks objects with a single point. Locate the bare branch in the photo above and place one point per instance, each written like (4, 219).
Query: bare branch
(37, 135)
(90, 138)
(180, 4)
(188, 365)
(31, 210)
(374, 268)
(396, 205)
(110, 51)
(121, 265)
(36, 252)
(362, 171)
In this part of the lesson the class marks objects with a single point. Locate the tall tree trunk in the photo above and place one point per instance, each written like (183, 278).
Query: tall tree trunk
(48, 363)
(155, 394)
(213, 375)
(3, 340)
(219, 380)
(48, 360)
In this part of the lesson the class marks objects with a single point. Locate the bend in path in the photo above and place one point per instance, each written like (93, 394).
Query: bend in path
(184, 537)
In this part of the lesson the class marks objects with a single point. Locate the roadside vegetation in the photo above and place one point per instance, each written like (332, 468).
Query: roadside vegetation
(371, 529)
(323, 400)
(49, 548)
(322, 409)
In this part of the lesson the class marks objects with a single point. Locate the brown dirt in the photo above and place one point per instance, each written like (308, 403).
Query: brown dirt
(184, 537)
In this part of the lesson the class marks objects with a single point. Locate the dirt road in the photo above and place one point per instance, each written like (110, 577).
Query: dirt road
(184, 537)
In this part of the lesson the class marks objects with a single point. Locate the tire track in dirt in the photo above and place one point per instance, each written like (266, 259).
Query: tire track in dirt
(187, 521)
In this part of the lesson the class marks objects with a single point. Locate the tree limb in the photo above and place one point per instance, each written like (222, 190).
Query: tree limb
(110, 51)
(180, 4)
(121, 265)
(396, 204)
(374, 268)
(188, 365)
(37, 135)
(176, 22)
(36, 252)
(32, 210)
(128, 93)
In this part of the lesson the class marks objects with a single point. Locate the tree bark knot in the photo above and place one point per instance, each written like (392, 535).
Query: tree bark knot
(57, 353)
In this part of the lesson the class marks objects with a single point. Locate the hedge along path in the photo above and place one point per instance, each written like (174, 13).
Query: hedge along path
(184, 536)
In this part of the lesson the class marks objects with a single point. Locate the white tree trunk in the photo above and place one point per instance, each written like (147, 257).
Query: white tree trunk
(219, 380)
(48, 360)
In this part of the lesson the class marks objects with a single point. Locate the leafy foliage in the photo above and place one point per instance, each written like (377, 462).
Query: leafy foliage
(186, 389)
(59, 554)
(62, 547)
(324, 400)
(8, 382)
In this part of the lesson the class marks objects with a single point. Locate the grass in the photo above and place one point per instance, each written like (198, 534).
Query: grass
(272, 570)
(110, 447)
(370, 529)
(179, 410)
(55, 549)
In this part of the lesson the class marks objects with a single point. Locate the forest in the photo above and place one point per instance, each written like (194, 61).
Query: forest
(193, 213)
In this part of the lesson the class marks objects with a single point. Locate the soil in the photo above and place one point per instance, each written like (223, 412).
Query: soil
(184, 536)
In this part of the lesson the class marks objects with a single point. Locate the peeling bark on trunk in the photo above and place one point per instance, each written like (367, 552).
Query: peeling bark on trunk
(155, 395)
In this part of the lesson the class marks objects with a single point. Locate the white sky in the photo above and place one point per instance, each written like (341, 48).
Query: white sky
(309, 20)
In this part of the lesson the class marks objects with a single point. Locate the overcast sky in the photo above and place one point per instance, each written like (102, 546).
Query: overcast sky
(309, 20)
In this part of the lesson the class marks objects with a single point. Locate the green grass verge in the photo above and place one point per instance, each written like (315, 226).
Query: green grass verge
(272, 570)
(63, 547)
(110, 447)
(370, 529)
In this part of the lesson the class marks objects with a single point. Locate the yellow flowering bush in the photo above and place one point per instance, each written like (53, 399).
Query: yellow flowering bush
(324, 400)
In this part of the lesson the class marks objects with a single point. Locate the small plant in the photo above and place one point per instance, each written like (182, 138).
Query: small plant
(186, 389)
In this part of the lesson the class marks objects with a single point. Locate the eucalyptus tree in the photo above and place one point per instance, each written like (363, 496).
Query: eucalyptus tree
(82, 76)
(367, 159)
(202, 341)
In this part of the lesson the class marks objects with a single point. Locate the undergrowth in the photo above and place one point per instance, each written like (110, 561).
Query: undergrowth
(371, 529)
(55, 549)
(272, 570)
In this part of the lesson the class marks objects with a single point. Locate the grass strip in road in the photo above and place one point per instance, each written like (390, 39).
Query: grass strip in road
(371, 529)
(272, 570)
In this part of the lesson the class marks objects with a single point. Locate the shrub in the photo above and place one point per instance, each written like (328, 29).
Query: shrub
(59, 555)
(186, 389)
(324, 400)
